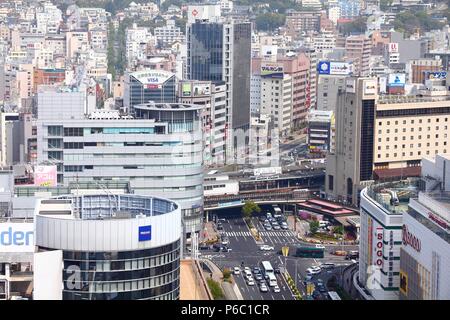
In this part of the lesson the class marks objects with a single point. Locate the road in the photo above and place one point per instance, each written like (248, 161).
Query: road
(245, 250)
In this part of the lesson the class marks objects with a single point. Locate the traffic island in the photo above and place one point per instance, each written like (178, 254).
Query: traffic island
(292, 286)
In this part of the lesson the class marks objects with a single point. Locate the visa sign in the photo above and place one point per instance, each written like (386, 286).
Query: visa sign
(16, 237)
(145, 233)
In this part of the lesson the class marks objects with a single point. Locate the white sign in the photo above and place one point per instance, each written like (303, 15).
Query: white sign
(266, 171)
(393, 47)
(16, 237)
(370, 87)
(350, 85)
(341, 68)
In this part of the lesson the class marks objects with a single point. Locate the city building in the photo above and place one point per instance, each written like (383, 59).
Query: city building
(425, 251)
(328, 87)
(383, 137)
(320, 137)
(212, 97)
(383, 207)
(419, 68)
(358, 48)
(298, 22)
(221, 51)
(158, 149)
(148, 85)
(168, 34)
(132, 243)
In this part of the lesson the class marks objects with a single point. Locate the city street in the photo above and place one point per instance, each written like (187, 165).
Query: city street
(244, 249)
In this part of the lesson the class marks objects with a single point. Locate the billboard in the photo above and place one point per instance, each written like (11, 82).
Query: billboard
(16, 237)
(45, 176)
(350, 85)
(393, 47)
(272, 71)
(201, 89)
(397, 80)
(440, 75)
(370, 87)
(186, 89)
(266, 171)
(334, 68)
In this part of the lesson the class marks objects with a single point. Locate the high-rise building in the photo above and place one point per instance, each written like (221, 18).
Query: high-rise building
(383, 137)
(132, 243)
(212, 97)
(148, 85)
(158, 149)
(358, 48)
(221, 51)
(420, 67)
(303, 21)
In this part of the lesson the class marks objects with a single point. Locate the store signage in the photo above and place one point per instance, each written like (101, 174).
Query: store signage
(379, 247)
(370, 87)
(410, 240)
(145, 233)
(397, 80)
(272, 71)
(440, 75)
(16, 237)
(334, 68)
(438, 220)
(393, 47)
(350, 85)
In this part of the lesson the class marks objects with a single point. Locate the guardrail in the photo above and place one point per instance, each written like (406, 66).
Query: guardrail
(198, 269)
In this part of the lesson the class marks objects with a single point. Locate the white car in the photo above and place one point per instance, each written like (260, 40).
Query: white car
(276, 288)
(319, 246)
(250, 282)
(247, 273)
(314, 270)
(236, 270)
(266, 247)
(263, 288)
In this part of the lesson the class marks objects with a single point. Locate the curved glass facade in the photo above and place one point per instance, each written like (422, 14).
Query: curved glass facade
(150, 274)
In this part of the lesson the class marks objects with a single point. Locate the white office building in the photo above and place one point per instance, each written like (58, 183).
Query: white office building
(158, 150)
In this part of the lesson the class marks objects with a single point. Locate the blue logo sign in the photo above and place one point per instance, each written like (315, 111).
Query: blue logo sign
(323, 67)
(441, 75)
(145, 233)
(16, 238)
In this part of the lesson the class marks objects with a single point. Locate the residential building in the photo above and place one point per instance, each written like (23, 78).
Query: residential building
(358, 48)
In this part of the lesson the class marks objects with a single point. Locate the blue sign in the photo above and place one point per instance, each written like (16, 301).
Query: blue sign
(323, 67)
(145, 233)
(441, 75)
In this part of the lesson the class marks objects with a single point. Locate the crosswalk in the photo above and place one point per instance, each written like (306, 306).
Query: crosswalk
(284, 233)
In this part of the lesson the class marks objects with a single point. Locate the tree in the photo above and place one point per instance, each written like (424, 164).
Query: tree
(226, 274)
(249, 208)
(269, 21)
(314, 226)
(338, 230)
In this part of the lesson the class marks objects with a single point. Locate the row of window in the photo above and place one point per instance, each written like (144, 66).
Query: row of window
(419, 145)
(412, 129)
(414, 138)
(412, 121)
(411, 154)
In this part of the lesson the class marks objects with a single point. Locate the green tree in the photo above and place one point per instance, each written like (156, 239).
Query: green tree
(359, 25)
(314, 226)
(269, 21)
(226, 274)
(249, 208)
(338, 230)
(216, 290)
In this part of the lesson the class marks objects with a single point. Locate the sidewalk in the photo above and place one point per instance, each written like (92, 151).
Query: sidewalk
(210, 233)
(230, 290)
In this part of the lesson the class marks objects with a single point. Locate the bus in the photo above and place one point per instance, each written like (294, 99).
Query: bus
(267, 268)
(276, 211)
(272, 280)
(333, 295)
(310, 252)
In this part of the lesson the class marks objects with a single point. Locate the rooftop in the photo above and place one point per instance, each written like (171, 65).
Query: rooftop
(394, 196)
(168, 106)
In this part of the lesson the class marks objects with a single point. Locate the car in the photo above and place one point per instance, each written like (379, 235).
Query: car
(259, 277)
(277, 270)
(276, 227)
(225, 241)
(256, 270)
(221, 220)
(263, 287)
(250, 282)
(327, 265)
(322, 288)
(247, 269)
(319, 246)
(226, 249)
(236, 270)
(276, 288)
(262, 219)
(313, 270)
(268, 227)
(204, 247)
(284, 226)
(266, 247)
(219, 227)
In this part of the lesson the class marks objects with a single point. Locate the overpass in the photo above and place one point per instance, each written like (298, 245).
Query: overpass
(277, 196)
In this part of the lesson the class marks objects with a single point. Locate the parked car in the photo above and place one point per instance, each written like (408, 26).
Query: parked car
(276, 227)
(236, 270)
(268, 227)
(284, 226)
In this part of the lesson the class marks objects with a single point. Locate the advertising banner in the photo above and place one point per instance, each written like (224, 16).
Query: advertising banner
(45, 176)
(397, 80)
(186, 89)
(334, 68)
(272, 71)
